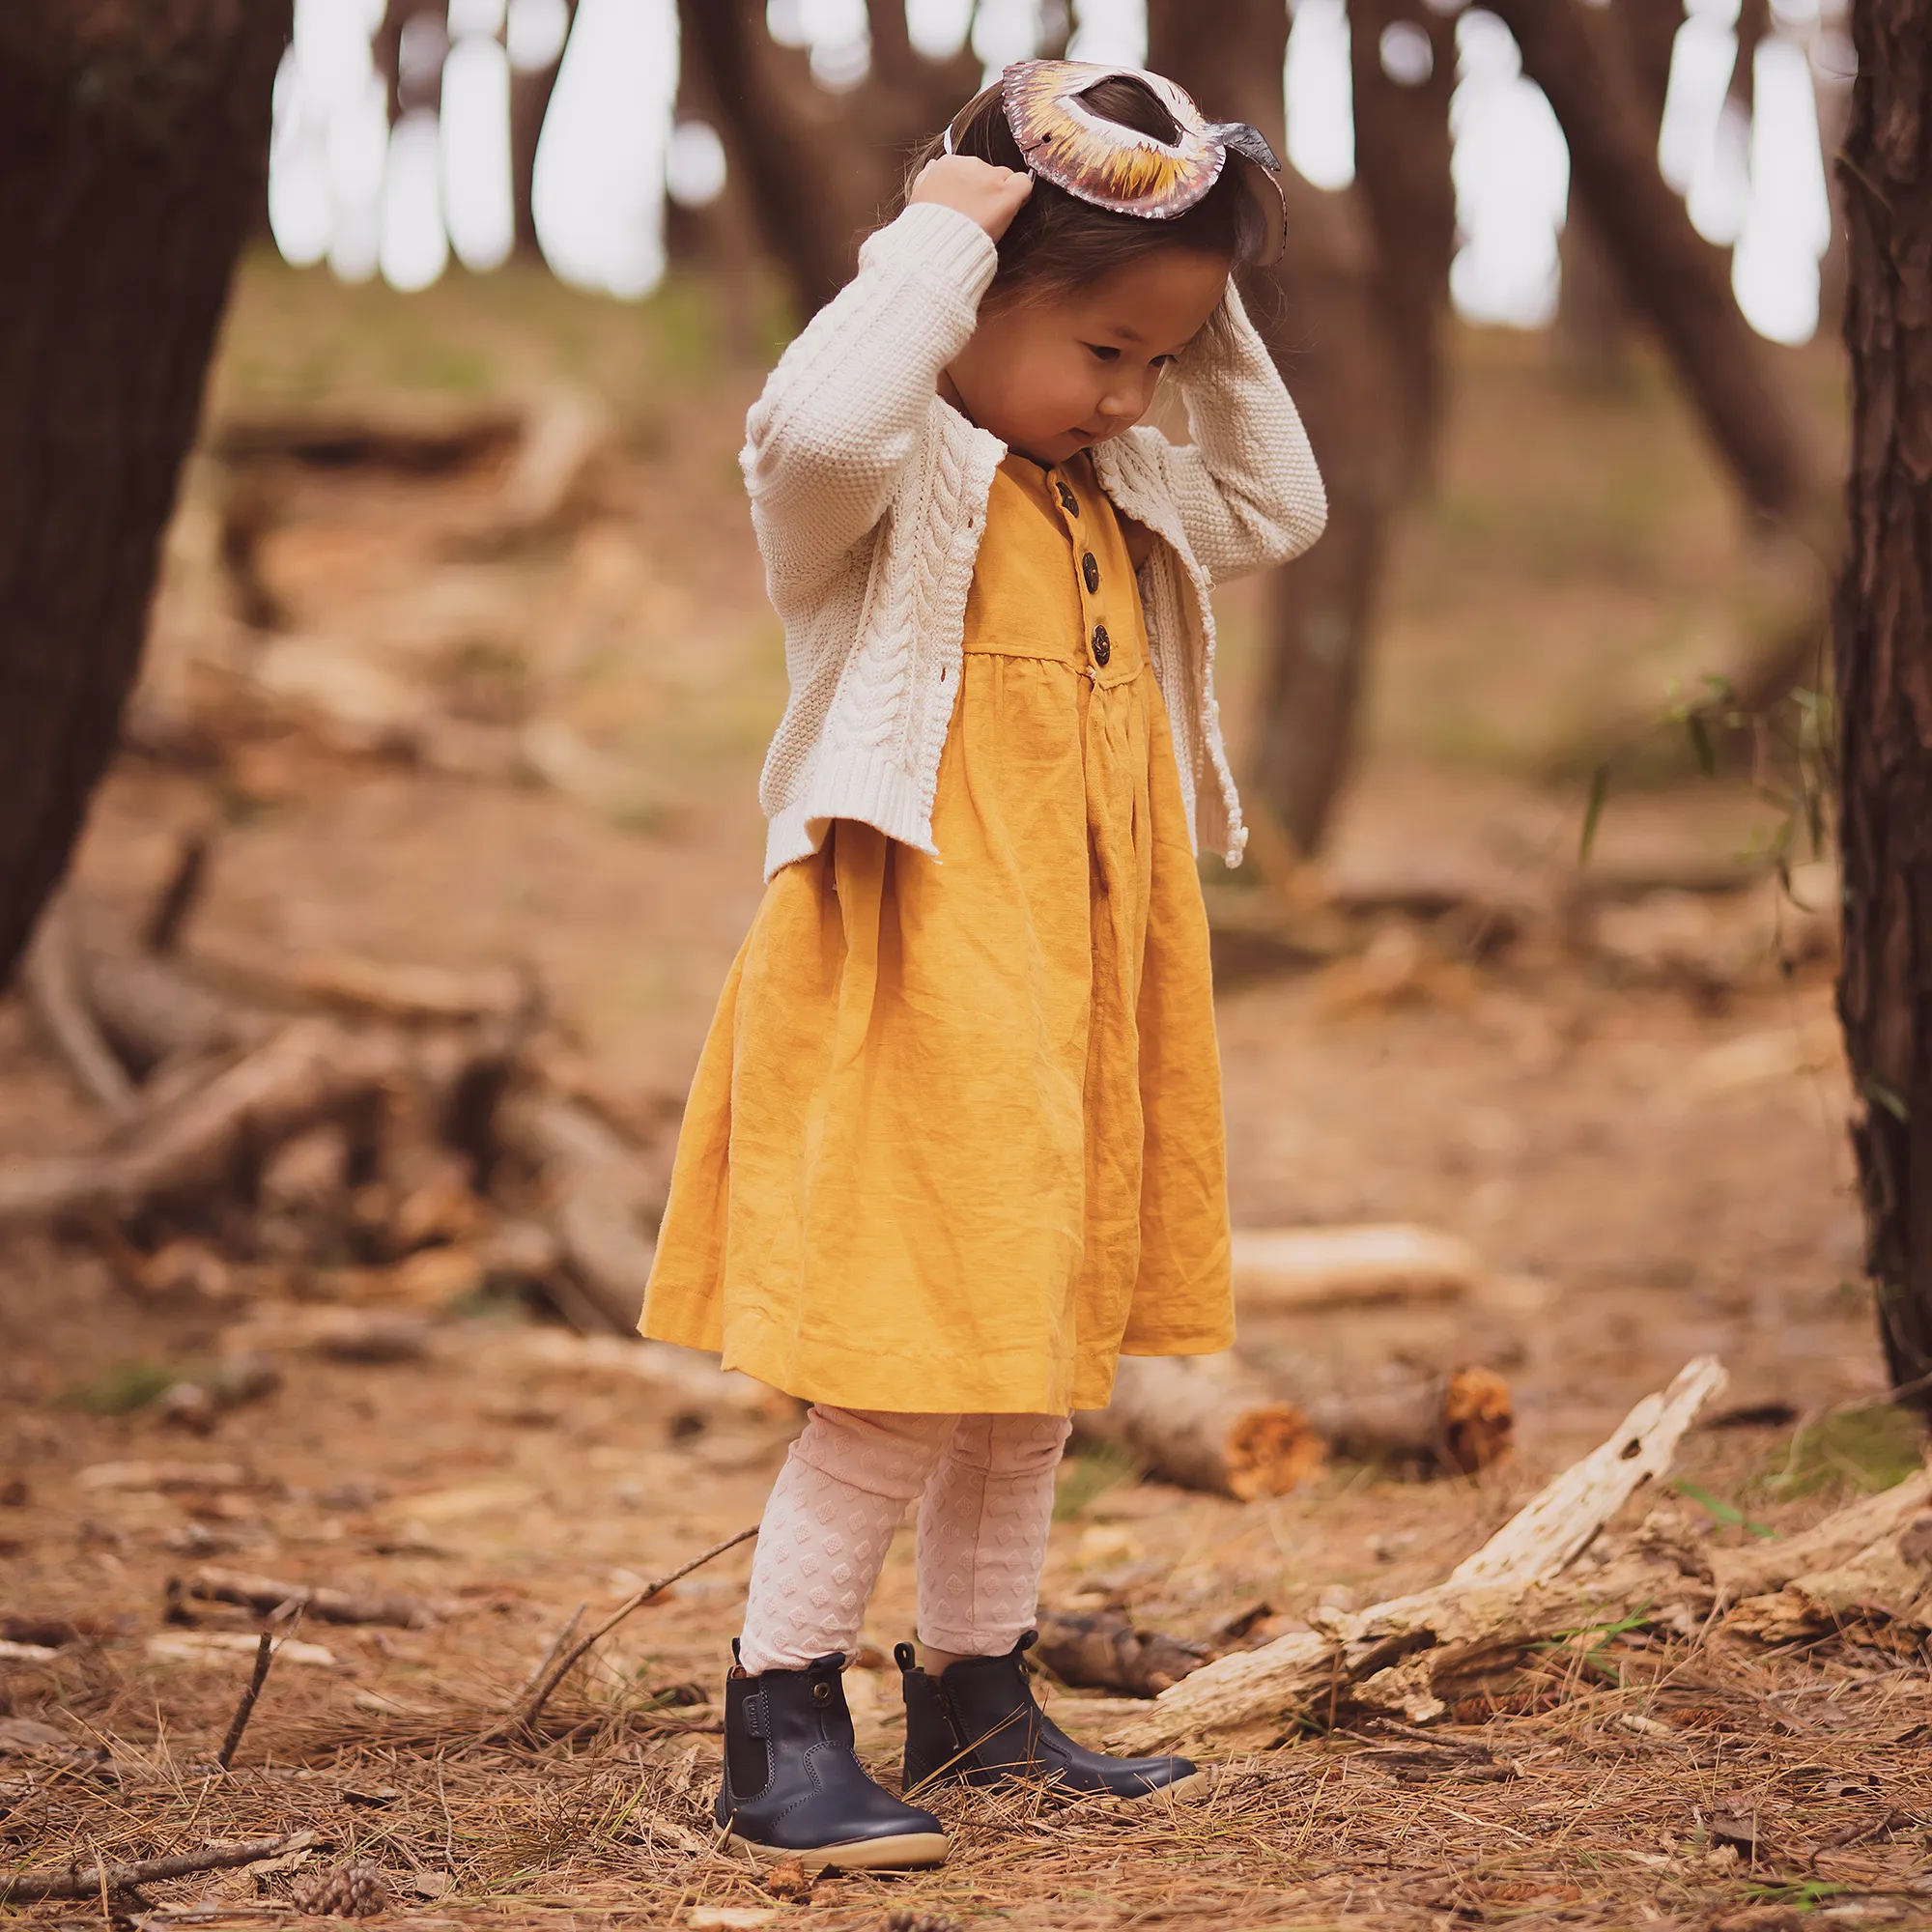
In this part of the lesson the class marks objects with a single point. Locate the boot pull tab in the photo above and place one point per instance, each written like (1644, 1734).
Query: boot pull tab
(1026, 1641)
(906, 1658)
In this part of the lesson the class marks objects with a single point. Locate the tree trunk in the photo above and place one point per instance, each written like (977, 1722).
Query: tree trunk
(1884, 657)
(821, 170)
(812, 179)
(1677, 281)
(530, 102)
(133, 153)
(1401, 161)
(1321, 310)
(1593, 319)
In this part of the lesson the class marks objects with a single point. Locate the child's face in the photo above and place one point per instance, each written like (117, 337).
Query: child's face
(1052, 377)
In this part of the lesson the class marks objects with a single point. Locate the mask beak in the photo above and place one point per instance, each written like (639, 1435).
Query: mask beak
(1250, 143)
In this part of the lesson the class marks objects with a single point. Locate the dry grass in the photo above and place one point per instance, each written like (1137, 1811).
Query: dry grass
(1650, 1783)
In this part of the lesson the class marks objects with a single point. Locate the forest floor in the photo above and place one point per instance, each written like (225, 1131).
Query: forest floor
(1643, 1131)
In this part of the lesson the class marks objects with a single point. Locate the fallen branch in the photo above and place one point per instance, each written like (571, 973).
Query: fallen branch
(1106, 1652)
(1396, 1658)
(370, 989)
(51, 979)
(265, 1654)
(268, 1597)
(690, 1389)
(600, 1197)
(1278, 1268)
(1198, 1428)
(523, 1720)
(1460, 1422)
(308, 1070)
(73, 1880)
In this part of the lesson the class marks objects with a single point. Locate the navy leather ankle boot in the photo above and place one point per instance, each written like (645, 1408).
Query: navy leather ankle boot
(980, 1722)
(793, 1788)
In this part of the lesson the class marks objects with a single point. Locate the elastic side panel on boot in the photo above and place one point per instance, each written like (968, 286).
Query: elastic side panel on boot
(748, 1764)
(931, 1747)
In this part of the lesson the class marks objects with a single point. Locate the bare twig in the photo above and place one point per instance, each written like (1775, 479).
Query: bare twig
(265, 1654)
(523, 1717)
(72, 1881)
(162, 929)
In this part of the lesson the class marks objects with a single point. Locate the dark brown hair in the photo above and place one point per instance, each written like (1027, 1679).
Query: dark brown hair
(1059, 242)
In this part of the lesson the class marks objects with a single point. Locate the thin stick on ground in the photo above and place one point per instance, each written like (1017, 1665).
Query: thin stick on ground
(524, 1718)
(75, 1882)
(265, 1654)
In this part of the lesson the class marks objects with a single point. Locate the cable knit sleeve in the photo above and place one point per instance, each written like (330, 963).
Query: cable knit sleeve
(1246, 485)
(839, 419)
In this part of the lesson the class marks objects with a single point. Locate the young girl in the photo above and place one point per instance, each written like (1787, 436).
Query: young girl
(954, 1143)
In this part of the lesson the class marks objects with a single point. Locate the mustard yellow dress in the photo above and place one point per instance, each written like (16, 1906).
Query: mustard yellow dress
(955, 1142)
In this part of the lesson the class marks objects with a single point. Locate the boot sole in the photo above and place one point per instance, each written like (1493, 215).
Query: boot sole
(895, 1854)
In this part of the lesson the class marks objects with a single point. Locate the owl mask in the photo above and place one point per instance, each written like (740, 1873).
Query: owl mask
(1116, 167)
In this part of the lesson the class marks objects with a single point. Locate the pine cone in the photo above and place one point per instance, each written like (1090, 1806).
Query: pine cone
(790, 1881)
(347, 1892)
(905, 1920)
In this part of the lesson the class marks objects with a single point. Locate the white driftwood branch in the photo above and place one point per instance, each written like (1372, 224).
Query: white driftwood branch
(1508, 1592)
(1560, 1522)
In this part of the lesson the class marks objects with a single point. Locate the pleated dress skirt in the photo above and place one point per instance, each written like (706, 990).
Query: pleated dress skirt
(954, 1143)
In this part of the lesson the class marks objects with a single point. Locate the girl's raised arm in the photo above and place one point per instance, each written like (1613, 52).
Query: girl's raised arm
(826, 441)
(1246, 482)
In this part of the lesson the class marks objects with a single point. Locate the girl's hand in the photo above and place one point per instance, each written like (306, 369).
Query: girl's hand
(990, 196)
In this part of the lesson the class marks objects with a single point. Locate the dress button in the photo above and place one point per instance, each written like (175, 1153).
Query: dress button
(1103, 648)
(1068, 500)
(1089, 569)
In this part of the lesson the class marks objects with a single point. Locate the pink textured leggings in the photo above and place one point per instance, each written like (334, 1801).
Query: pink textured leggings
(986, 1485)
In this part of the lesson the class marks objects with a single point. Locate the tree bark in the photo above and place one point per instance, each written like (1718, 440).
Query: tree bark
(1884, 663)
(134, 154)
(1321, 310)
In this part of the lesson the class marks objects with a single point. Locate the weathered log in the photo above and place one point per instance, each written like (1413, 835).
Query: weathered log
(690, 1390)
(1228, 1436)
(1394, 1656)
(1318, 1267)
(1106, 1652)
(1885, 1585)
(1766, 1566)
(1461, 1422)
(268, 1597)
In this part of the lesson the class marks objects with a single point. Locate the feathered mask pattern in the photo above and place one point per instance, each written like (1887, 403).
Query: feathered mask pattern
(1116, 167)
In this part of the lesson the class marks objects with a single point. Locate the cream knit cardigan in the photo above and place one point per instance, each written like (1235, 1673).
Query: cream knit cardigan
(868, 497)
